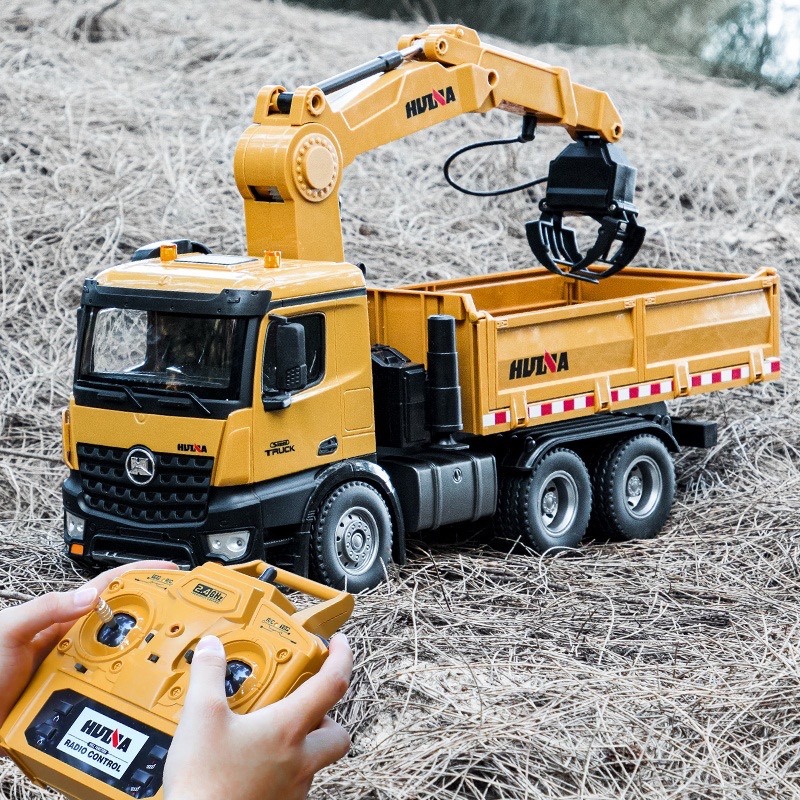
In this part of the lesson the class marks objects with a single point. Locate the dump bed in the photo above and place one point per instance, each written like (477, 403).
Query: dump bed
(534, 347)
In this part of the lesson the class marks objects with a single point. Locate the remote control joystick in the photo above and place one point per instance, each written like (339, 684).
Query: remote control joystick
(114, 632)
(235, 675)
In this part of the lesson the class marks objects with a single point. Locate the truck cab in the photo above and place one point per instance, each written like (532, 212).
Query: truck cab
(209, 392)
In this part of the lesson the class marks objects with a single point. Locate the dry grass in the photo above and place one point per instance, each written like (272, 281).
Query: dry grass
(666, 669)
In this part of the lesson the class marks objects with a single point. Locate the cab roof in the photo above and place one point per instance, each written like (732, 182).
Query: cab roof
(213, 273)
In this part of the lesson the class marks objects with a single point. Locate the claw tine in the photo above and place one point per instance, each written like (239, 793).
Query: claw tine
(571, 245)
(553, 243)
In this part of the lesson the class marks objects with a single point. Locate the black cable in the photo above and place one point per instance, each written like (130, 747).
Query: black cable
(493, 192)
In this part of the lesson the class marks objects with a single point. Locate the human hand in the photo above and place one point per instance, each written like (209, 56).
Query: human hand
(28, 632)
(270, 753)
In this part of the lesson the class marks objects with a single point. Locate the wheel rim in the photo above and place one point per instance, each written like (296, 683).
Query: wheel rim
(643, 486)
(558, 503)
(357, 540)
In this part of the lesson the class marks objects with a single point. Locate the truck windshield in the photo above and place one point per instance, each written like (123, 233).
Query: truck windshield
(161, 350)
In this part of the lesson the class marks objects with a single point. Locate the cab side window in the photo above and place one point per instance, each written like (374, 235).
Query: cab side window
(314, 325)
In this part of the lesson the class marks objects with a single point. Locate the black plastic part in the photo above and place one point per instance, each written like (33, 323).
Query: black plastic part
(178, 492)
(556, 247)
(328, 446)
(292, 371)
(280, 512)
(439, 488)
(319, 297)
(694, 433)
(276, 401)
(236, 674)
(188, 656)
(519, 451)
(268, 575)
(112, 634)
(294, 357)
(590, 176)
(527, 134)
(137, 772)
(593, 178)
(399, 387)
(384, 63)
(443, 387)
(228, 303)
(184, 246)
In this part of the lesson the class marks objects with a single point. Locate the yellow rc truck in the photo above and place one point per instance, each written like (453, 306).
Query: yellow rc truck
(271, 406)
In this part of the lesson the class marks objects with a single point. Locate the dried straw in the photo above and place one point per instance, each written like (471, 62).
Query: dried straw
(663, 669)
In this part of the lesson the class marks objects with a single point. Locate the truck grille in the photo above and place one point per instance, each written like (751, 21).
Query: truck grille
(177, 493)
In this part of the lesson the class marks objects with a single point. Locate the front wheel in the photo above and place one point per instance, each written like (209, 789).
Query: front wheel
(548, 509)
(351, 540)
(634, 486)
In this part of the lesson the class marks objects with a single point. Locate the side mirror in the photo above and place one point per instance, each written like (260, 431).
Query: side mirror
(291, 370)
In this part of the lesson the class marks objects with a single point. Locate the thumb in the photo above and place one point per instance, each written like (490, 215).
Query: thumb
(206, 693)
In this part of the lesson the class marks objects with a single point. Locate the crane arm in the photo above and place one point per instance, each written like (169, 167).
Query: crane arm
(289, 162)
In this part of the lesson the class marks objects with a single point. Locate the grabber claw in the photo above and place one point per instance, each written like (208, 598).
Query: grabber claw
(592, 178)
(556, 248)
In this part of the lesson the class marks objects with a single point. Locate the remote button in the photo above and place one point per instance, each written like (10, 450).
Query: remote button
(62, 707)
(44, 734)
(155, 758)
(138, 783)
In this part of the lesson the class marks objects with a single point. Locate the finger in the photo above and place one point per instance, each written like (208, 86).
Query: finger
(206, 695)
(314, 698)
(57, 628)
(326, 744)
(46, 640)
(22, 623)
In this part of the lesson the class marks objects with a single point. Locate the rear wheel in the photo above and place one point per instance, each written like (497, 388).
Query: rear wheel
(351, 540)
(548, 509)
(634, 486)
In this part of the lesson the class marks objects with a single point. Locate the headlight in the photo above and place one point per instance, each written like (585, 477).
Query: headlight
(73, 526)
(227, 546)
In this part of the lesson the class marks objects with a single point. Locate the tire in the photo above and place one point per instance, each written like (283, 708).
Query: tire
(351, 540)
(634, 486)
(549, 509)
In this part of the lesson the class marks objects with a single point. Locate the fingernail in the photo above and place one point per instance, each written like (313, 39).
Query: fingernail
(84, 597)
(210, 644)
(343, 635)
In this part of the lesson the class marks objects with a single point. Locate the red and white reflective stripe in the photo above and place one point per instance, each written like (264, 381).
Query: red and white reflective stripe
(772, 365)
(565, 405)
(641, 390)
(496, 418)
(721, 376)
(622, 394)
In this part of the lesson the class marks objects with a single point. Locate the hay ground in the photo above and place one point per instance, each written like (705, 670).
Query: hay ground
(665, 669)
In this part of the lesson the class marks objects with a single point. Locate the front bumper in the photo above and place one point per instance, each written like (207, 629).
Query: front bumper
(110, 541)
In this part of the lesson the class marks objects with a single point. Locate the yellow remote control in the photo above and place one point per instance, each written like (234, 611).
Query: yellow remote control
(98, 717)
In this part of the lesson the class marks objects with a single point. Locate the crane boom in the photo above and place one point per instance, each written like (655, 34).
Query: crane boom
(288, 164)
